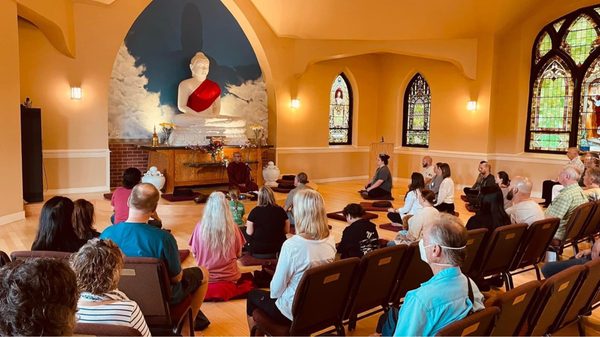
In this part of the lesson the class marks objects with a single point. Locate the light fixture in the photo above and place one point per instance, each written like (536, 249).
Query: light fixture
(472, 105)
(295, 103)
(76, 93)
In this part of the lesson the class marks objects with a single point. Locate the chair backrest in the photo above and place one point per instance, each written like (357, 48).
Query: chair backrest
(555, 293)
(26, 254)
(474, 246)
(415, 272)
(476, 324)
(501, 249)
(375, 279)
(95, 329)
(145, 281)
(577, 221)
(4, 259)
(535, 243)
(584, 297)
(322, 296)
(514, 305)
(592, 224)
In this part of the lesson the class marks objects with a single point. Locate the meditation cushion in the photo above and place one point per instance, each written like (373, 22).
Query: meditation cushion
(179, 197)
(390, 227)
(249, 260)
(340, 216)
(370, 206)
(107, 196)
(366, 196)
(281, 190)
(382, 204)
(225, 290)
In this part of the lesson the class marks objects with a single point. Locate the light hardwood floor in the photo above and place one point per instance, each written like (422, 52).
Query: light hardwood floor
(229, 318)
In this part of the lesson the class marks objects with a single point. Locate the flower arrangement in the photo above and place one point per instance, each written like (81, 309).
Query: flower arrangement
(214, 148)
(258, 133)
(167, 129)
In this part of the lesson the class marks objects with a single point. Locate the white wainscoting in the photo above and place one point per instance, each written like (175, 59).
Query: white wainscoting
(81, 153)
(18, 216)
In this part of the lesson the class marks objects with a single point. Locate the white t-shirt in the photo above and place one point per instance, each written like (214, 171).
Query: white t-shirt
(446, 193)
(297, 256)
(527, 211)
(411, 203)
(428, 172)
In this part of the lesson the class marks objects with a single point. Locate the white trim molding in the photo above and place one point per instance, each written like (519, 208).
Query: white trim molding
(78, 190)
(322, 149)
(522, 157)
(81, 153)
(332, 180)
(13, 217)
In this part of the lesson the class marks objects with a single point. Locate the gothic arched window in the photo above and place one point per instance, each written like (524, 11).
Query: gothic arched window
(417, 112)
(340, 112)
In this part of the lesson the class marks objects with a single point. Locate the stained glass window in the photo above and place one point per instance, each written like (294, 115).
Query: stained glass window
(565, 87)
(340, 112)
(417, 111)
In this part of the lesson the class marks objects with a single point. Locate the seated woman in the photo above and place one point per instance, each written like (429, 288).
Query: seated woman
(98, 266)
(417, 223)
(411, 200)
(55, 231)
(503, 181)
(445, 198)
(131, 177)
(491, 214)
(267, 225)
(217, 244)
(380, 186)
(360, 237)
(83, 220)
(312, 246)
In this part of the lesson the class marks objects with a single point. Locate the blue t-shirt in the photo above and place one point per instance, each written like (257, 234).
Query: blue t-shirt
(143, 240)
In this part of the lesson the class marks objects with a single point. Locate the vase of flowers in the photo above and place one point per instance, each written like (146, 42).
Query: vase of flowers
(215, 149)
(258, 131)
(166, 130)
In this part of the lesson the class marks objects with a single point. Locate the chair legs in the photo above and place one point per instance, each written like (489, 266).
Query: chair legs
(340, 329)
(537, 272)
(581, 326)
(352, 323)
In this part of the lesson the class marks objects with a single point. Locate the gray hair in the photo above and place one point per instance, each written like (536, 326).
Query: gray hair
(449, 231)
(571, 172)
(523, 184)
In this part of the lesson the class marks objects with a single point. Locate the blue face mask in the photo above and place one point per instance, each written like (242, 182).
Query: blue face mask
(423, 253)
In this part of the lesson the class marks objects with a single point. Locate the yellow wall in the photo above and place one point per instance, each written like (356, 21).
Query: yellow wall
(11, 202)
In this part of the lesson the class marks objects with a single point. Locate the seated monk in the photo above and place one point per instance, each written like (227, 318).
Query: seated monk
(239, 175)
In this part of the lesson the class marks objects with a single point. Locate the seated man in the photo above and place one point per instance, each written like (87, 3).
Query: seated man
(239, 175)
(567, 200)
(547, 185)
(428, 171)
(524, 209)
(136, 237)
(38, 297)
(300, 182)
(484, 179)
(591, 180)
(449, 295)
(582, 257)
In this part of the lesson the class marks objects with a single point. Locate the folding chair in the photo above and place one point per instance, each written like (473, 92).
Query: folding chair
(320, 301)
(515, 306)
(26, 254)
(415, 272)
(575, 225)
(533, 248)
(592, 225)
(145, 280)
(375, 281)
(95, 329)
(474, 244)
(476, 324)
(555, 293)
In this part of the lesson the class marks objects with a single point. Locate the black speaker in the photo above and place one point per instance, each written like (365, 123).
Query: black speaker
(31, 154)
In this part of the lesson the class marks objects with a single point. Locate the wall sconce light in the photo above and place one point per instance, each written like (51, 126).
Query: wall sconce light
(472, 105)
(295, 103)
(76, 93)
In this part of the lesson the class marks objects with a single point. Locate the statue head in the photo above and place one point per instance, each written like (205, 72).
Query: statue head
(199, 66)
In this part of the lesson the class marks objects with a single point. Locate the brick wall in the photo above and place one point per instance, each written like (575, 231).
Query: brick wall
(125, 153)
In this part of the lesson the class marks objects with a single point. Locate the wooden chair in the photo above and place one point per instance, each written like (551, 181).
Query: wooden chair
(555, 294)
(500, 252)
(375, 280)
(533, 248)
(145, 280)
(514, 306)
(320, 301)
(26, 254)
(415, 272)
(94, 329)
(583, 300)
(577, 222)
(480, 323)
(592, 225)
(474, 244)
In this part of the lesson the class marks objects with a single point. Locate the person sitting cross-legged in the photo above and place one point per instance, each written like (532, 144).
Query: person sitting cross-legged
(239, 175)
(137, 238)
(411, 200)
(300, 181)
(449, 295)
(360, 237)
(484, 179)
(426, 215)
(98, 266)
(267, 226)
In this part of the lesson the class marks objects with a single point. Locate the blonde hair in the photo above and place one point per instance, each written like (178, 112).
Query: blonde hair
(266, 196)
(217, 229)
(310, 216)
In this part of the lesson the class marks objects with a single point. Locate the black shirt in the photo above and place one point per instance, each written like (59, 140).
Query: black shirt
(269, 229)
(358, 239)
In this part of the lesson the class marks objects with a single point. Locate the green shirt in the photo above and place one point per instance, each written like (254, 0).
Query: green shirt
(563, 206)
(237, 211)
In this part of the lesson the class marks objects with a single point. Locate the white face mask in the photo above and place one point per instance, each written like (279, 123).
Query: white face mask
(423, 253)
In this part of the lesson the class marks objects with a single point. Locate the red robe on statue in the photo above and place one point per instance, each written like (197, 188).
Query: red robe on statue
(204, 96)
(240, 177)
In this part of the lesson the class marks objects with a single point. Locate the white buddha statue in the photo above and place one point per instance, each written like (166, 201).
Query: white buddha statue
(199, 100)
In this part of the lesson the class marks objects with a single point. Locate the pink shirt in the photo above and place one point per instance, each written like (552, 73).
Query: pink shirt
(221, 268)
(119, 203)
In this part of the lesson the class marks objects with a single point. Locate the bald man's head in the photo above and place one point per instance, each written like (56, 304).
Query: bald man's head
(522, 184)
(427, 161)
(144, 197)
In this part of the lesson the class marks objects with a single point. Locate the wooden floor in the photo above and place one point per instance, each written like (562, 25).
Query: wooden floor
(229, 318)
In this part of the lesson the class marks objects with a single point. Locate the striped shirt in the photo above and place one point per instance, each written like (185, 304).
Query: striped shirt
(112, 307)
